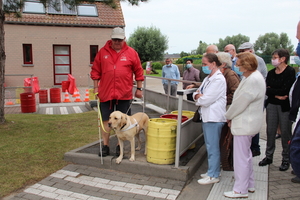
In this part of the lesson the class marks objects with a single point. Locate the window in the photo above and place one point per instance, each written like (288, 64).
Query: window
(59, 7)
(93, 53)
(27, 54)
(87, 10)
(33, 7)
(62, 63)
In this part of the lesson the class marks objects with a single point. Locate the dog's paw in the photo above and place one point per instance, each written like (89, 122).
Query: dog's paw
(132, 159)
(138, 148)
(118, 160)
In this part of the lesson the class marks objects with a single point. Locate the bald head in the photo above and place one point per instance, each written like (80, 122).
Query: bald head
(212, 49)
(230, 48)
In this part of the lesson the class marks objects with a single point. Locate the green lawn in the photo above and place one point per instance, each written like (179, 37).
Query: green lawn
(32, 146)
(157, 75)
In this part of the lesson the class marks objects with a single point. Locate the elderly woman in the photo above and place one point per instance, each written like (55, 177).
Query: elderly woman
(211, 97)
(245, 117)
(232, 82)
(232, 79)
(279, 82)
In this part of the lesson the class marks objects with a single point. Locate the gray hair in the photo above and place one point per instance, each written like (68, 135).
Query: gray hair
(225, 58)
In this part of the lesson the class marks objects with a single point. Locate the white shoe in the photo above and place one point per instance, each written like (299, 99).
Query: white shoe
(232, 194)
(205, 175)
(251, 190)
(208, 180)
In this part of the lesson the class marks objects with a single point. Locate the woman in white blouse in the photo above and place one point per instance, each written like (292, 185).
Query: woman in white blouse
(245, 117)
(211, 97)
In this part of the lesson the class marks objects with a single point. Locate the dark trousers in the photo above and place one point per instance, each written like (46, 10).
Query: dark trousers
(274, 117)
(255, 143)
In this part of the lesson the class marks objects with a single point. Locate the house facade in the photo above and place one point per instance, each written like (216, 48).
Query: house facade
(51, 44)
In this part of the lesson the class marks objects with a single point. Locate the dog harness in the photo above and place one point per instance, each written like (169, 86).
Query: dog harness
(131, 126)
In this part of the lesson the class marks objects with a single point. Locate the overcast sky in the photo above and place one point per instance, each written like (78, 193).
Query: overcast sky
(186, 22)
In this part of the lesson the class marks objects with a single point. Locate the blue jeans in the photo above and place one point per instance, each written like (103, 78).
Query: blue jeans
(298, 49)
(212, 134)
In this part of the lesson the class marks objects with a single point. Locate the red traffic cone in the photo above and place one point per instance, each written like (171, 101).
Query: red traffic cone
(87, 98)
(77, 97)
(67, 98)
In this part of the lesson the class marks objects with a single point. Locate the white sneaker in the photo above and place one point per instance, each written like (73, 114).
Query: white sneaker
(205, 175)
(232, 194)
(208, 180)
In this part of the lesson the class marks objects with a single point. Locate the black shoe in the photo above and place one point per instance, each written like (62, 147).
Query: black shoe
(295, 180)
(292, 172)
(278, 136)
(284, 166)
(118, 151)
(265, 161)
(105, 151)
(255, 153)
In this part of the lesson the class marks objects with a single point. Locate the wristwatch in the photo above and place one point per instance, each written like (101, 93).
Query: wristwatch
(139, 88)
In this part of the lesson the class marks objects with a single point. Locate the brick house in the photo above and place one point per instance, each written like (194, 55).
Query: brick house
(51, 44)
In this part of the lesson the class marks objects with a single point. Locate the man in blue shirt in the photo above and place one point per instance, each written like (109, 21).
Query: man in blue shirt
(170, 71)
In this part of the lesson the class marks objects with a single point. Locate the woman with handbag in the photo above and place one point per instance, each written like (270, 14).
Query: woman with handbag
(211, 97)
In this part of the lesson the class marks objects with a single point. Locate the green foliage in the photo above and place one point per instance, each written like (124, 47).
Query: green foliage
(150, 43)
(182, 54)
(236, 40)
(269, 42)
(201, 48)
(155, 65)
(197, 59)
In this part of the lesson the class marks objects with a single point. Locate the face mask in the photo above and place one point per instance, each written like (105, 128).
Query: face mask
(275, 62)
(237, 71)
(206, 70)
(188, 66)
(297, 60)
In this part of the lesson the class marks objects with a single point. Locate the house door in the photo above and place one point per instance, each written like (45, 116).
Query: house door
(62, 63)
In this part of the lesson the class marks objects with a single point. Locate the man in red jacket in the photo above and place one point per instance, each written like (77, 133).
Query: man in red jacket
(112, 74)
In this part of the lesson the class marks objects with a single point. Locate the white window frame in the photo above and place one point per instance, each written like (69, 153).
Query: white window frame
(89, 10)
(33, 7)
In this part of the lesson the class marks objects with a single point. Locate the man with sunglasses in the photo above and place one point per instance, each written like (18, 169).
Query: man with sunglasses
(112, 74)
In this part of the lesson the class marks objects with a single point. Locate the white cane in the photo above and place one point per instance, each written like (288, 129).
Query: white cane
(99, 129)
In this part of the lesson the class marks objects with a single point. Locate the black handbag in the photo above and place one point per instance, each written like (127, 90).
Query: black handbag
(197, 117)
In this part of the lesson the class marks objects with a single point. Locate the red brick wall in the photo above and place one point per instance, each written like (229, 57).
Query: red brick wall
(42, 39)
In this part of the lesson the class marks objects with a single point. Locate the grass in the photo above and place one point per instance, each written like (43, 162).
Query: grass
(32, 146)
(157, 75)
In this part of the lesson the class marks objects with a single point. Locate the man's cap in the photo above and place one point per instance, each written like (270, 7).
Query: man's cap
(246, 45)
(118, 33)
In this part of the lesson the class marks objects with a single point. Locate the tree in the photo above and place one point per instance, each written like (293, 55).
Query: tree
(14, 6)
(201, 48)
(149, 43)
(182, 54)
(269, 42)
(236, 40)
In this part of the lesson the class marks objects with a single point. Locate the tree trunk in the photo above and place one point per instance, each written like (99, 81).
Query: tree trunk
(2, 64)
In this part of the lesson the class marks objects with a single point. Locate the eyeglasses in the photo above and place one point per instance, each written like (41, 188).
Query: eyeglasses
(117, 40)
(228, 50)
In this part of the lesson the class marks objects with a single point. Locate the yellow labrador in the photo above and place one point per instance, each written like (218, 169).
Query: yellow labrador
(126, 128)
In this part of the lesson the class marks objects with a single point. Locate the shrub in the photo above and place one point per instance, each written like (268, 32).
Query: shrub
(155, 65)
